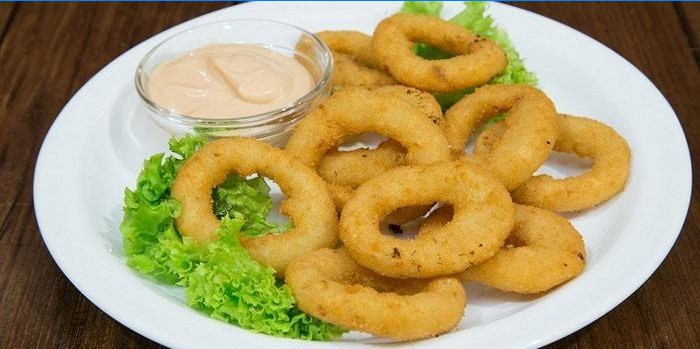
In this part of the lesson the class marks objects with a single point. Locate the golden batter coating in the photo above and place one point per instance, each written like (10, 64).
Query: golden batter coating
(353, 60)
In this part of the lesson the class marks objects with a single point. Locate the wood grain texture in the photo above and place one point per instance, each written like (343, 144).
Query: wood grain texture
(690, 14)
(49, 50)
(6, 11)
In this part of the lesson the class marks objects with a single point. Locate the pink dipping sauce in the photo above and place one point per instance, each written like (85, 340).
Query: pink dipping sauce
(228, 81)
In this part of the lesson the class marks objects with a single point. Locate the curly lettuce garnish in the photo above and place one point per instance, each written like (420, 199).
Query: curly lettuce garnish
(474, 18)
(431, 8)
(220, 278)
(251, 199)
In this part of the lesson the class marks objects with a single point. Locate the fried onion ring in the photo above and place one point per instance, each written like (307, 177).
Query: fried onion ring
(542, 251)
(355, 167)
(352, 43)
(352, 168)
(353, 111)
(308, 203)
(611, 165)
(348, 72)
(354, 61)
(483, 219)
(422, 100)
(530, 129)
(476, 59)
(329, 285)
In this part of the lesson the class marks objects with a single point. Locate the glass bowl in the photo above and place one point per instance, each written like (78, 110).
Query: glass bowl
(273, 126)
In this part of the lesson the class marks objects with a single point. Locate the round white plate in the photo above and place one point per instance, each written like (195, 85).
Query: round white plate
(96, 146)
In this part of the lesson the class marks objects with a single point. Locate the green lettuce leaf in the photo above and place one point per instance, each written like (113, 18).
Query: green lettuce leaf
(229, 286)
(251, 199)
(220, 278)
(431, 8)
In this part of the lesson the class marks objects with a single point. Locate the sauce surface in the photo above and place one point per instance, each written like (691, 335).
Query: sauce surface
(228, 81)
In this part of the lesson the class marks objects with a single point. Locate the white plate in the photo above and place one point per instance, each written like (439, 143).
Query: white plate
(97, 144)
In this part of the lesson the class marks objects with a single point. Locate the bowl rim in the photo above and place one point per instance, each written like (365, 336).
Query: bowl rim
(242, 120)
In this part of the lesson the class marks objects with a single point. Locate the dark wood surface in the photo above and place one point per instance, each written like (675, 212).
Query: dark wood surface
(49, 50)
(6, 9)
(689, 13)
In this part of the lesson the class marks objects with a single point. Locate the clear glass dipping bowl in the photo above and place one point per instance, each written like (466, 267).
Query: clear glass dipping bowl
(273, 126)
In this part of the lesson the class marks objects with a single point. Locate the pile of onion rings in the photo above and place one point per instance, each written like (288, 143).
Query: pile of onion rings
(352, 111)
(486, 216)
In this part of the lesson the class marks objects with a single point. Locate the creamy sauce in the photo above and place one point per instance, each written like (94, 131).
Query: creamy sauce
(228, 81)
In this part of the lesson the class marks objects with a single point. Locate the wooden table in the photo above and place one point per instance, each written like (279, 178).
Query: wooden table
(47, 51)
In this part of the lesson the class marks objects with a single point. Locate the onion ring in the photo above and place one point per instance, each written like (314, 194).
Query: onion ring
(542, 251)
(422, 100)
(529, 134)
(352, 111)
(611, 165)
(352, 168)
(329, 285)
(354, 61)
(355, 167)
(483, 219)
(308, 202)
(477, 59)
(352, 43)
(348, 72)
